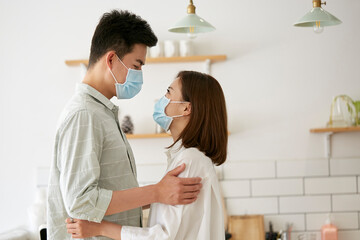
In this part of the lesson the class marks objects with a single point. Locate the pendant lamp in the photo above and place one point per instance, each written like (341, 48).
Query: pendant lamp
(317, 18)
(191, 24)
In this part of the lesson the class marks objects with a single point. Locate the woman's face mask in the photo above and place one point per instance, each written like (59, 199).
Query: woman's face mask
(160, 116)
(132, 84)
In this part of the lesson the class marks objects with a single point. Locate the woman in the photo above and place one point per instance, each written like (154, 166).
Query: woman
(194, 111)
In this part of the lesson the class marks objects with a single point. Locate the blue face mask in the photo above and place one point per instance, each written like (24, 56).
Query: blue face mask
(132, 84)
(159, 113)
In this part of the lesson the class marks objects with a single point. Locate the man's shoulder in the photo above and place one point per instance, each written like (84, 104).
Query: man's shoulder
(80, 105)
(83, 101)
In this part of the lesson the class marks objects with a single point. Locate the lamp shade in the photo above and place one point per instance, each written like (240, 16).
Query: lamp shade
(192, 24)
(317, 14)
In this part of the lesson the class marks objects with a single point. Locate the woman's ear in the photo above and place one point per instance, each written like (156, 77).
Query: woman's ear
(187, 110)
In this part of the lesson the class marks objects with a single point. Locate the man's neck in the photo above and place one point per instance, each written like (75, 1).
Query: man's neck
(96, 79)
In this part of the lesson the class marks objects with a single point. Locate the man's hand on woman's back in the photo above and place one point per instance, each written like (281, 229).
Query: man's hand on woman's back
(174, 190)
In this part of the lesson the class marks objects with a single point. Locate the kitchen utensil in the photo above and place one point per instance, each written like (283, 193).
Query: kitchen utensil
(271, 235)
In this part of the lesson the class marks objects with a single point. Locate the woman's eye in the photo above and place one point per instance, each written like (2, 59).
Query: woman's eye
(167, 90)
(136, 67)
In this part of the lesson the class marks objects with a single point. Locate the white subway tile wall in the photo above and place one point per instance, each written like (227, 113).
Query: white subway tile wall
(350, 202)
(277, 187)
(305, 204)
(330, 185)
(303, 168)
(249, 170)
(345, 166)
(235, 188)
(241, 206)
(301, 192)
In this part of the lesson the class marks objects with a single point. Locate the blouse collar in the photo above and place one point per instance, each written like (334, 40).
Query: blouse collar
(172, 152)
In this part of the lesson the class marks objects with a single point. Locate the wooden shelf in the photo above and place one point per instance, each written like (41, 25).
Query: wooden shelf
(153, 135)
(335, 129)
(77, 62)
(212, 58)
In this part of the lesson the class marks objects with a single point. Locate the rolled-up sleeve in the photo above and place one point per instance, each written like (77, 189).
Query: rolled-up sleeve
(80, 147)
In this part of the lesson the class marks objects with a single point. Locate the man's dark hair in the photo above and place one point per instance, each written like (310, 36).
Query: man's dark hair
(119, 31)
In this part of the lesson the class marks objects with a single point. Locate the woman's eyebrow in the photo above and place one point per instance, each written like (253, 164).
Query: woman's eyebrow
(170, 88)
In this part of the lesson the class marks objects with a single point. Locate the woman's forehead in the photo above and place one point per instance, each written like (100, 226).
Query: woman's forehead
(176, 84)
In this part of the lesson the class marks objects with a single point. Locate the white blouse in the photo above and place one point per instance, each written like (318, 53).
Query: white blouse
(201, 220)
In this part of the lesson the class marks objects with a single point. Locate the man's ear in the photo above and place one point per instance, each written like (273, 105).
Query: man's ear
(187, 110)
(110, 58)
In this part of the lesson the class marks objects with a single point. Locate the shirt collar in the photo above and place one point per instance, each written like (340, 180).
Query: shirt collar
(172, 152)
(85, 88)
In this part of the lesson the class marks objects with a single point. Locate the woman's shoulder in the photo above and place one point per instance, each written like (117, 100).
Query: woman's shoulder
(194, 157)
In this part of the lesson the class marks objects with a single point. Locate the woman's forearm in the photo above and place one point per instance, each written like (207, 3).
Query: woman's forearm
(110, 230)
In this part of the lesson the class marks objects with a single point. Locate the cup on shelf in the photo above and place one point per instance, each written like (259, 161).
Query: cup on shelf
(171, 48)
(157, 50)
(186, 48)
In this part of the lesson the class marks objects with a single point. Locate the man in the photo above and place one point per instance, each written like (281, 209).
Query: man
(93, 173)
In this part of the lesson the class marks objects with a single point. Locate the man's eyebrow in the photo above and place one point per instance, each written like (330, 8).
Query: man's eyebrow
(141, 62)
(170, 88)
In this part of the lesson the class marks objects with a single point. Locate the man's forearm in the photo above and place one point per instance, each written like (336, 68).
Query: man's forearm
(171, 190)
(132, 198)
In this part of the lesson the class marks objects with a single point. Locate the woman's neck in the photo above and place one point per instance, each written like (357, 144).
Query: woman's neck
(175, 133)
(177, 126)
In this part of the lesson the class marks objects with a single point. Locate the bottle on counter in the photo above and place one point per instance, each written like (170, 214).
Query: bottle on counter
(329, 231)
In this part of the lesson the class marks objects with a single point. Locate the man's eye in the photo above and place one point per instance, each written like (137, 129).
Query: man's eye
(136, 67)
(167, 90)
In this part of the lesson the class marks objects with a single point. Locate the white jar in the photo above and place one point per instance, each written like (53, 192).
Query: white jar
(157, 50)
(171, 48)
(186, 48)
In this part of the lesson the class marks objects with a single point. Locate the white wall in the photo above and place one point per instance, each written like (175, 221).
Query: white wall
(278, 80)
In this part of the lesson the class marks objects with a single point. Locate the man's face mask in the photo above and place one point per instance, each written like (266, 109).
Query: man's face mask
(132, 84)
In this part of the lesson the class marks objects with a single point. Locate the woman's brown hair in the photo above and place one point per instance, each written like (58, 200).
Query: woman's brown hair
(207, 127)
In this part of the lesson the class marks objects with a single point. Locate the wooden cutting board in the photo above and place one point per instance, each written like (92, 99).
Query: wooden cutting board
(246, 227)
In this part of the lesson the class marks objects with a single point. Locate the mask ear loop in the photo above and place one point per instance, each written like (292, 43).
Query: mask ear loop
(113, 75)
(178, 101)
(121, 62)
